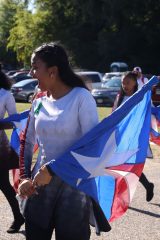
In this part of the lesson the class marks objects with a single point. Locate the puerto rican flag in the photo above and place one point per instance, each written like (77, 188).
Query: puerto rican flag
(20, 122)
(107, 162)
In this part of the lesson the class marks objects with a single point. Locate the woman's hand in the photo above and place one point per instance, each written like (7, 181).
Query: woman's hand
(42, 178)
(26, 188)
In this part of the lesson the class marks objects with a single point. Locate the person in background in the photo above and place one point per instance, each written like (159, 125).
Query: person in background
(58, 119)
(7, 104)
(128, 88)
(140, 78)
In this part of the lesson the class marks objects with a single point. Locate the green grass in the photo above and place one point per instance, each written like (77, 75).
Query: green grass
(104, 112)
(22, 106)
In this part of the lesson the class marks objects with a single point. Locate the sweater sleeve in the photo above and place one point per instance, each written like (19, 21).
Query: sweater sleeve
(88, 116)
(10, 104)
(26, 147)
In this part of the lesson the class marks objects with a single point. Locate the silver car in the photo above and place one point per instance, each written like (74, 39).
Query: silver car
(24, 90)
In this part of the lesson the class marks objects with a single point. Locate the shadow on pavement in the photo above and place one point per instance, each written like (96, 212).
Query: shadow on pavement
(145, 212)
(155, 204)
(22, 232)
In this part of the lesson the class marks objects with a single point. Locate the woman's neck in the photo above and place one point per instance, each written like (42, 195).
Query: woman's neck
(129, 94)
(60, 90)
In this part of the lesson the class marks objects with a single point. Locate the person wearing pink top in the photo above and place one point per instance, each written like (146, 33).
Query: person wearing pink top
(141, 80)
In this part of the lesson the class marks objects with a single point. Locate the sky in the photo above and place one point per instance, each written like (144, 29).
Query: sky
(31, 5)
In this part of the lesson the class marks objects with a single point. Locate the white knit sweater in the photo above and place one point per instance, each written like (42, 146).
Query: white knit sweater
(57, 124)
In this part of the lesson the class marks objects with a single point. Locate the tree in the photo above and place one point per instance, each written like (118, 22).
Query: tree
(7, 13)
(27, 34)
(99, 32)
(95, 32)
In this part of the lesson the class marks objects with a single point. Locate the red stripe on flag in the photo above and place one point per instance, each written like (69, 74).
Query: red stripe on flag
(121, 199)
(154, 139)
(133, 168)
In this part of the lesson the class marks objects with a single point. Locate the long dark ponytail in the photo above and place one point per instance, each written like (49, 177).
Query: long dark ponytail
(5, 81)
(53, 54)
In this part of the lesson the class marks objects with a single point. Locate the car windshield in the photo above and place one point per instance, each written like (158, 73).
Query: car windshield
(114, 82)
(111, 75)
(22, 83)
(93, 77)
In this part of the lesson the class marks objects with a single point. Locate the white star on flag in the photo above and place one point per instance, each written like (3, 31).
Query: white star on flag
(109, 157)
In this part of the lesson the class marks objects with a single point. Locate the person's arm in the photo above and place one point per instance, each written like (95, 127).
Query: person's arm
(26, 152)
(26, 147)
(10, 108)
(146, 80)
(10, 104)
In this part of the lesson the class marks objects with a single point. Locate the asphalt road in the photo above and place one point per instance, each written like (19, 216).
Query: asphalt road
(141, 222)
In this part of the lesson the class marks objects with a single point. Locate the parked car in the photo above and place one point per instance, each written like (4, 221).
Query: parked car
(92, 79)
(107, 76)
(10, 73)
(19, 76)
(24, 90)
(156, 94)
(106, 94)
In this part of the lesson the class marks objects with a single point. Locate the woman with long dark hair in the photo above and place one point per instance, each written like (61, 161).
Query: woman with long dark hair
(57, 121)
(7, 104)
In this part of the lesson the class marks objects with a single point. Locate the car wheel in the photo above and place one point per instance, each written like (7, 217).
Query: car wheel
(30, 97)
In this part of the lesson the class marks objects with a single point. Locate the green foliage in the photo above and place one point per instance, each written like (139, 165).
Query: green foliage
(95, 32)
(10, 11)
(99, 32)
(7, 12)
(21, 35)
